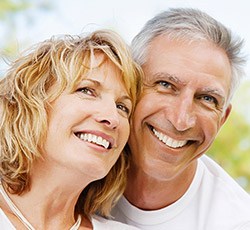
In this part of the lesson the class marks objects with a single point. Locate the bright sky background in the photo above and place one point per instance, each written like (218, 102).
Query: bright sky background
(127, 17)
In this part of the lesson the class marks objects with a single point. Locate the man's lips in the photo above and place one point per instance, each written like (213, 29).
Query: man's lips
(96, 139)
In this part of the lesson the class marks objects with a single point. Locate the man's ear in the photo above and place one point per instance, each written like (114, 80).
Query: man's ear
(226, 114)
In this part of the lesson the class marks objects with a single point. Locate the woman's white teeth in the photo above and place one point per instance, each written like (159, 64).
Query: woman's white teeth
(168, 140)
(94, 139)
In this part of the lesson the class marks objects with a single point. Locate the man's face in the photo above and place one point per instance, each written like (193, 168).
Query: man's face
(182, 106)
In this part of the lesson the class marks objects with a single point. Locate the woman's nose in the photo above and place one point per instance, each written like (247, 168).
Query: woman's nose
(109, 115)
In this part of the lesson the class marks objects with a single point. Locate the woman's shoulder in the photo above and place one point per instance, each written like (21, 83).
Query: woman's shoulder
(107, 224)
(5, 222)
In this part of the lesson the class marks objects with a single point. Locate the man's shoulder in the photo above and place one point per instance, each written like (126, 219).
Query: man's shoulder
(218, 175)
(213, 194)
(222, 188)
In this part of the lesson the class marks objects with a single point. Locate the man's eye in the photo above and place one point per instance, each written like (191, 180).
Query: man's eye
(209, 99)
(123, 108)
(164, 84)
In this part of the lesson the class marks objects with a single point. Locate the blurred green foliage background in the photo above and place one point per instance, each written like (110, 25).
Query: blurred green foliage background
(231, 148)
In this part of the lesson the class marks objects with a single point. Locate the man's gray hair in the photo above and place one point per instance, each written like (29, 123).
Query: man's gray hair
(192, 24)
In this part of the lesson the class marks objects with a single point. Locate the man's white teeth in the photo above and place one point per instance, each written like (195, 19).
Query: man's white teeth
(94, 139)
(168, 140)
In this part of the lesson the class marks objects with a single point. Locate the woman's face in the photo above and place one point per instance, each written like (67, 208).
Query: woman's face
(88, 128)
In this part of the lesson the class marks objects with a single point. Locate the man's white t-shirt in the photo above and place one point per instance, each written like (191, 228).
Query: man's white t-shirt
(98, 223)
(214, 201)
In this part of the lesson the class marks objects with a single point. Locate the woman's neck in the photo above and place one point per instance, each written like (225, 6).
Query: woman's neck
(50, 203)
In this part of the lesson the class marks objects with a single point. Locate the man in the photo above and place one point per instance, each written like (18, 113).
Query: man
(192, 65)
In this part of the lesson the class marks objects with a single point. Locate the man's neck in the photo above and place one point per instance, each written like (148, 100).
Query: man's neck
(148, 193)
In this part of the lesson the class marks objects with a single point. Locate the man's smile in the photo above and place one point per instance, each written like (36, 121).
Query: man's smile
(168, 141)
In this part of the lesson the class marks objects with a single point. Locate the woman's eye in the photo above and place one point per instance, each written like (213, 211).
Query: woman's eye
(123, 108)
(87, 91)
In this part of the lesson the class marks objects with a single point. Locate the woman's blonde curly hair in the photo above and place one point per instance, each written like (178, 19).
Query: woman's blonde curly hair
(25, 95)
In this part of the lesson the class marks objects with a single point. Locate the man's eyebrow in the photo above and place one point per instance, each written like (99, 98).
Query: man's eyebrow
(169, 77)
(216, 92)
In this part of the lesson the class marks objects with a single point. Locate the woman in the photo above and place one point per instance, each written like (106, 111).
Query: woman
(64, 120)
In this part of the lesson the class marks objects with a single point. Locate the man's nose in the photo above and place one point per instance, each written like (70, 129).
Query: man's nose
(183, 114)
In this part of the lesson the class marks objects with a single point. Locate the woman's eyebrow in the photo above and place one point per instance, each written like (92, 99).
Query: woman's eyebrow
(91, 80)
(126, 97)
